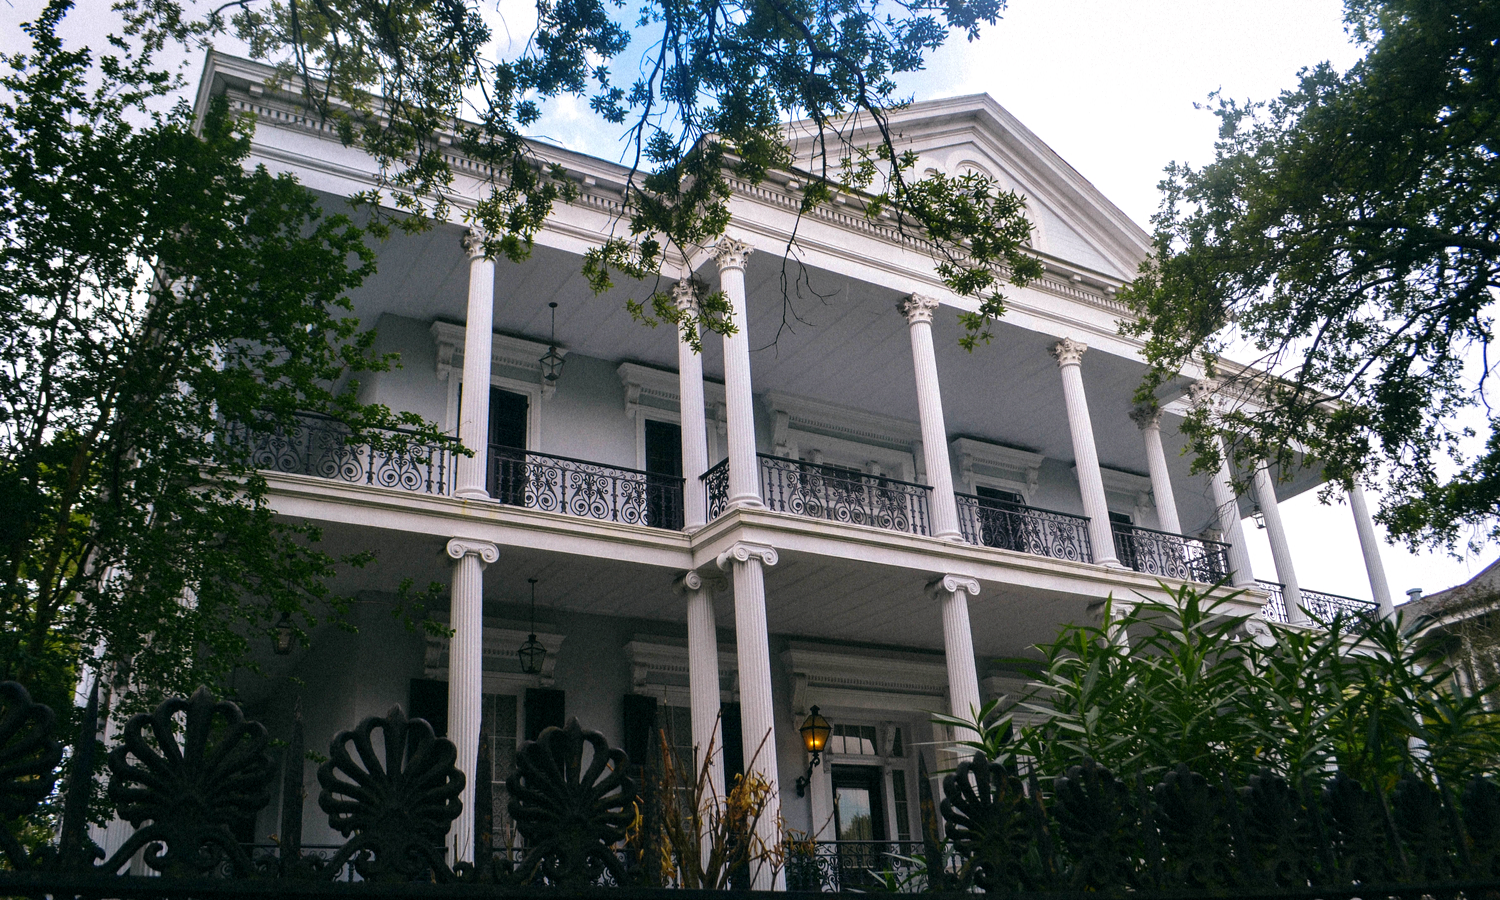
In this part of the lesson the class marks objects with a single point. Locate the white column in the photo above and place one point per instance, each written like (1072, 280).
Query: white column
(918, 311)
(1149, 420)
(466, 676)
(1281, 550)
(474, 407)
(954, 591)
(694, 426)
(1228, 508)
(1369, 545)
(1069, 356)
(703, 675)
(757, 714)
(744, 468)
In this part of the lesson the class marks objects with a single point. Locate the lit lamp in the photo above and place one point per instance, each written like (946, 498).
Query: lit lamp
(552, 361)
(815, 731)
(283, 634)
(532, 652)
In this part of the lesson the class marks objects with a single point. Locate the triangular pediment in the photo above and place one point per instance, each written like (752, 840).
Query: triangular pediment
(1073, 221)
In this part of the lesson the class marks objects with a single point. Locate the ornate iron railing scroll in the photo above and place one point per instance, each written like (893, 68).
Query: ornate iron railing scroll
(1275, 608)
(321, 447)
(1171, 555)
(840, 495)
(716, 488)
(589, 490)
(1025, 529)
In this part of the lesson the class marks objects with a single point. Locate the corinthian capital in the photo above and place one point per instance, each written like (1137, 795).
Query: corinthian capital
(685, 296)
(1068, 352)
(1146, 416)
(473, 241)
(731, 254)
(917, 308)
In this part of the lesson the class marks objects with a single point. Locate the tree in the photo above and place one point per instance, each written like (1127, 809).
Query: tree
(1348, 231)
(718, 81)
(153, 291)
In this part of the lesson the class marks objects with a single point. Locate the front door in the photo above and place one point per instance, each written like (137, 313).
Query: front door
(859, 823)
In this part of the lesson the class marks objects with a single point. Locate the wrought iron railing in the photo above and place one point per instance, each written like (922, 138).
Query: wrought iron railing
(842, 495)
(1354, 615)
(833, 866)
(1171, 555)
(716, 488)
(1275, 608)
(321, 447)
(586, 489)
(1027, 529)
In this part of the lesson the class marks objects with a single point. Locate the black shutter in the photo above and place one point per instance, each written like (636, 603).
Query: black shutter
(734, 746)
(640, 727)
(544, 709)
(429, 700)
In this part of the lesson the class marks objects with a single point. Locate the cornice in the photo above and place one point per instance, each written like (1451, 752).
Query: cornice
(648, 386)
(831, 420)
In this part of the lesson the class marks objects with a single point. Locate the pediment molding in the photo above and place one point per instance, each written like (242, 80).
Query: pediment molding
(837, 677)
(831, 420)
(980, 461)
(510, 356)
(498, 657)
(660, 668)
(653, 388)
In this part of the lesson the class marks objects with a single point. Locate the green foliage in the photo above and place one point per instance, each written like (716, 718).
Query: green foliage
(713, 90)
(1187, 681)
(153, 289)
(1348, 230)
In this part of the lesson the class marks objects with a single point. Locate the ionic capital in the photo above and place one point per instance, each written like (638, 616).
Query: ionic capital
(488, 553)
(473, 241)
(693, 581)
(917, 308)
(1146, 416)
(744, 551)
(952, 584)
(731, 254)
(685, 296)
(1068, 352)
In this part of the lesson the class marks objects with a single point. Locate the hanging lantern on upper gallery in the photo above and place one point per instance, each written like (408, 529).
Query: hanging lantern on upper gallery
(552, 361)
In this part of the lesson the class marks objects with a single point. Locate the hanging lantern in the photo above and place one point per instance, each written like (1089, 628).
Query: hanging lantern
(283, 634)
(532, 653)
(552, 361)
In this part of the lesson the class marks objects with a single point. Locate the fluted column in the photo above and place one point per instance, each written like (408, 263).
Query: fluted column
(474, 405)
(1228, 508)
(744, 468)
(1149, 420)
(1281, 550)
(1369, 545)
(1069, 356)
(466, 675)
(703, 675)
(918, 311)
(954, 591)
(757, 714)
(694, 426)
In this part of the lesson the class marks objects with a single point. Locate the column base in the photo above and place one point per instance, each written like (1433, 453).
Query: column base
(955, 536)
(746, 502)
(472, 494)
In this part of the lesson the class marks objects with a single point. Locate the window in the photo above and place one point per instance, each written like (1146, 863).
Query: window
(1124, 534)
(507, 471)
(664, 474)
(853, 740)
(497, 718)
(903, 809)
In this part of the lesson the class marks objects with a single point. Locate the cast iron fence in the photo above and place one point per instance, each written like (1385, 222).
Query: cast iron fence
(188, 773)
(1171, 555)
(1027, 529)
(716, 488)
(586, 489)
(321, 447)
(842, 495)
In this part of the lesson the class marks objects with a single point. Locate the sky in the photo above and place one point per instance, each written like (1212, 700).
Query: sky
(1112, 87)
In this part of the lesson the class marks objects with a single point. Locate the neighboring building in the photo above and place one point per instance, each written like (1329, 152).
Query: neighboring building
(804, 514)
(1468, 618)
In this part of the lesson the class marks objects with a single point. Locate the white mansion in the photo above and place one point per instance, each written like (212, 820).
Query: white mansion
(835, 506)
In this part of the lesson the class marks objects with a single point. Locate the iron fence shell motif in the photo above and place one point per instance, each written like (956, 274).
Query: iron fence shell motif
(841, 495)
(1170, 555)
(1025, 529)
(321, 447)
(589, 490)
